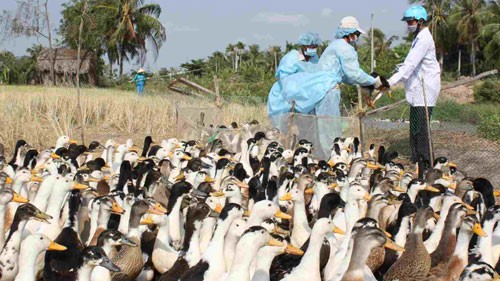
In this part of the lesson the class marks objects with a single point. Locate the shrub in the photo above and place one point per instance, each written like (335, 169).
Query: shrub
(489, 127)
(488, 91)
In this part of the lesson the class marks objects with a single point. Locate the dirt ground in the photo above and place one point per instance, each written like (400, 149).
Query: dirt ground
(460, 94)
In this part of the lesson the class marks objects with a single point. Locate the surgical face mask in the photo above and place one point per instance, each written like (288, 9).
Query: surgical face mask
(412, 28)
(310, 52)
(353, 41)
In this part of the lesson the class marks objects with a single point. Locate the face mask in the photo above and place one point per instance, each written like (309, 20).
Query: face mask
(354, 41)
(310, 52)
(412, 28)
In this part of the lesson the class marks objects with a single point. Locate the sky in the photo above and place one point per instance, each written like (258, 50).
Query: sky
(197, 28)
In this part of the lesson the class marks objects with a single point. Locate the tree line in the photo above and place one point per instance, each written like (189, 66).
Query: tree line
(466, 32)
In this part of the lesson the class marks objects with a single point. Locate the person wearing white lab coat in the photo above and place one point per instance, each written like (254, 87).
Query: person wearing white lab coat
(420, 73)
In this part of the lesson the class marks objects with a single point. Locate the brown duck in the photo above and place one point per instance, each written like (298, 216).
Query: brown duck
(415, 263)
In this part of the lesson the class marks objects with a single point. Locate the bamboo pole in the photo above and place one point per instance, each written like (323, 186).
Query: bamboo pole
(427, 119)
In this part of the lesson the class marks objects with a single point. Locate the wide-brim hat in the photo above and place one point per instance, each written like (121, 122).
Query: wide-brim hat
(141, 70)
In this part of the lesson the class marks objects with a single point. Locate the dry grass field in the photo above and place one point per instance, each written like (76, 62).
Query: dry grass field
(40, 114)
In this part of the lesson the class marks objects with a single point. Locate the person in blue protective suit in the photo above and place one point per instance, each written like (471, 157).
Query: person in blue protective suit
(420, 63)
(140, 80)
(316, 90)
(291, 63)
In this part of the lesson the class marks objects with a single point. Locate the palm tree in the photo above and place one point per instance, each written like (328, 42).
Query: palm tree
(253, 53)
(136, 24)
(380, 42)
(491, 30)
(438, 22)
(275, 52)
(467, 14)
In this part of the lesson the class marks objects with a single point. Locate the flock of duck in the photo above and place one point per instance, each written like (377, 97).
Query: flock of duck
(240, 208)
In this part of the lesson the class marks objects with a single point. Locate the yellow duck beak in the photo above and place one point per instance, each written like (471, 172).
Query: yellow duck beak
(367, 197)
(286, 197)
(309, 191)
(338, 231)
(218, 208)
(274, 242)
(389, 244)
(479, 230)
(209, 179)
(293, 251)
(18, 198)
(36, 179)
(117, 209)
(431, 189)
(55, 156)
(56, 247)
(73, 141)
(281, 215)
(219, 193)
(157, 209)
(80, 186)
(148, 220)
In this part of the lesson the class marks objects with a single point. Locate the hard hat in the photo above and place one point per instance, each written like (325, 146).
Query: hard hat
(415, 13)
(141, 70)
(348, 25)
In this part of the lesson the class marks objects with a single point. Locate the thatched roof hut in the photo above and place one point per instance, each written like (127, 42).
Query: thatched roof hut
(65, 63)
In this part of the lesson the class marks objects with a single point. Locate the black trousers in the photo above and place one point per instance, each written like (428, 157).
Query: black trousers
(419, 136)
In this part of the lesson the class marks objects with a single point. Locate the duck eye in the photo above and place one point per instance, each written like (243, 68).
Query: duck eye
(269, 205)
(41, 238)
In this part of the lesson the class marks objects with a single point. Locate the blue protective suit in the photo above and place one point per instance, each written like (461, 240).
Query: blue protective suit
(316, 89)
(277, 105)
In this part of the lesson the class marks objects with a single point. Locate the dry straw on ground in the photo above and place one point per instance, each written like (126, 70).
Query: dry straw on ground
(40, 114)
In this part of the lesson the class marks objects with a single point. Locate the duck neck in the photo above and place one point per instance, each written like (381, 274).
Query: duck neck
(245, 253)
(263, 261)
(2, 224)
(462, 248)
(214, 254)
(163, 237)
(485, 244)
(192, 243)
(134, 223)
(412, 193)
(449, 236)
(27, 263)
(374, 210)
(230, 242)
(176, 220)
(359, 256)
(125, 218)
(42, 196)
(16, 230)
(404, 229)
(310, 260)
(433, 240)
(351, 214)
(55, 202)
(85, 272)
(17, 186)
(103, 218)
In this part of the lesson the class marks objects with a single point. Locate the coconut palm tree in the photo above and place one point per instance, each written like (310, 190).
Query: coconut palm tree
(467, 14)
(491, 30)
(136, 25)
(438, 22)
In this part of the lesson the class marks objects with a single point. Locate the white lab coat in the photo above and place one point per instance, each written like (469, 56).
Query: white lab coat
(420, 62)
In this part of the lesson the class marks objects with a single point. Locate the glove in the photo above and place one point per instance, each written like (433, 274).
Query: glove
(380, 82)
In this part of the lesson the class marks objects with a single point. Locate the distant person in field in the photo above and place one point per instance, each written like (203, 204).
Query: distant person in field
(140, 80)
(420, 63)
(291, 63)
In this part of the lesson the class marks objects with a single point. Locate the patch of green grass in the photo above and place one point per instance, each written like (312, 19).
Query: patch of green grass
(444, 111)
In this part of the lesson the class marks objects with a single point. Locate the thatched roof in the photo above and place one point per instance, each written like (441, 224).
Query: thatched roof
(65, 60)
